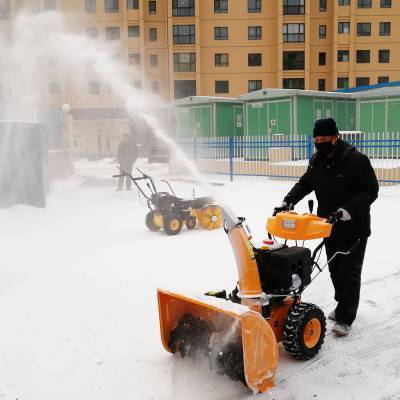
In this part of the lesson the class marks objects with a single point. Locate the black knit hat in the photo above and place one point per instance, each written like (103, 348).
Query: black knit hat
(325, 127)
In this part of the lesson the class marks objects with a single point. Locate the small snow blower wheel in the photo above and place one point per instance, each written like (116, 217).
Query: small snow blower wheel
(191, 222)
(172, 224)
(304, 331)
(150, 223)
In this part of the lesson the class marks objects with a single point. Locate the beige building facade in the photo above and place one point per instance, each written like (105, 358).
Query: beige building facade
(230, 47)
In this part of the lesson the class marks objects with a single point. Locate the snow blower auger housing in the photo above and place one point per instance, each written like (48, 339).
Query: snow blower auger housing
(170, 212)
(239, 332)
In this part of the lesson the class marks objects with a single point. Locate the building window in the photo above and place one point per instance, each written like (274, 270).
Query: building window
(254, 6)
(364, 3)
(383, 79)
(293, 60)
(184, 62)
(362, 81)
(344, 27)
(54, 87)
(153, 34)
(111, 6)
(322, 31)
(152, 7)
(343, 55)
(112, 33)
(254, 60)
(384, 29)
(154, 60)
(293, 7)
(94, 87)
(222, 60)
(184, 34)
(386, 3)
(134, 59)
(364, 29)
(133, 31)
(323, 5)
(50, 5)
(343, 83)
(183, 8)
(293, 83)
(184, 88)
(254, 85)
(363, 56)
(384, 56)
(321, 85)
(322, 59)
(154, 86)
(293, 33)
(92, 32)
(221, 33)
(132, 4)
(220, 6)
(254, 32)
(221, 86)
(90, 6)
(344, 2)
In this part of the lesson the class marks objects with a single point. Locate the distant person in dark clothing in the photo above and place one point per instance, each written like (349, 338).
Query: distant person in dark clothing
(126, 155)
(345, 186)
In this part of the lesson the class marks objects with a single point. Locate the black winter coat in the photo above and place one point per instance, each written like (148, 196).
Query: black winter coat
(127, 154)
(348, 181)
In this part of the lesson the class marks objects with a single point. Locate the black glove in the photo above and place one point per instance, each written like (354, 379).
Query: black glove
(335, 217)
(282, 207)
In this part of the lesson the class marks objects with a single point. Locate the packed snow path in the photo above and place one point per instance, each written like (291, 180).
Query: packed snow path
(78, 305)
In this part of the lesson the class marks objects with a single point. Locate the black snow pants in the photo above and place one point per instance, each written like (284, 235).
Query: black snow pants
(346, 276)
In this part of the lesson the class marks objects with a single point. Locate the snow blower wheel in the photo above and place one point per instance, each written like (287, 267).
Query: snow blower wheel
(304, 331)
(172, 224)
(150, 223)
(191, 222)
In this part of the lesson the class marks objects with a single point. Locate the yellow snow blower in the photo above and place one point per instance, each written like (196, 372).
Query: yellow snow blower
(239, 332)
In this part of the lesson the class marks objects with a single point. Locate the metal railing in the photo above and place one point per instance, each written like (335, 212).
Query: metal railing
(286, 157)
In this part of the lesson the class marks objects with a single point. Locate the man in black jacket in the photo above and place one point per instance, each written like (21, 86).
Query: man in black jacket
(345, 186)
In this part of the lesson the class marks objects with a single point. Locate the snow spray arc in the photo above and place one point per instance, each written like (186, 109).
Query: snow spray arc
(42, 48)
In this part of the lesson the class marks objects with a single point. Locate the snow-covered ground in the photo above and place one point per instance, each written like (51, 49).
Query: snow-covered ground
(78, 307)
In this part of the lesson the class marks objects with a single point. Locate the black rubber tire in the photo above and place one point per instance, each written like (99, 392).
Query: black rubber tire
(168, 219)
(149, 221)
(293, 331)
(191, 222)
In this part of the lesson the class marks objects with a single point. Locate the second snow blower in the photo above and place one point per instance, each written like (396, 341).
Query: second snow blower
(239, 332)
(170, 212)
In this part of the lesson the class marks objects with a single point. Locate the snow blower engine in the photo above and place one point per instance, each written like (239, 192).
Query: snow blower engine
(169, 212)
(239, 332)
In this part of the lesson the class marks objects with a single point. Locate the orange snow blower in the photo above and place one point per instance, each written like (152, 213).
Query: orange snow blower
(239, 332)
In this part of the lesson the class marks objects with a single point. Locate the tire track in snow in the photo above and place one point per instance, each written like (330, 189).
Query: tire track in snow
(377, 344)
(333, 342)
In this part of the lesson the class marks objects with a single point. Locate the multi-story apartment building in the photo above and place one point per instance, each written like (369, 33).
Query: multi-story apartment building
(230, 47)
(224, 48)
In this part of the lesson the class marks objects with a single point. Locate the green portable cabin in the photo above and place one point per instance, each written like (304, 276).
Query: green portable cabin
(201, 116)
(292, 111)
(379, 110)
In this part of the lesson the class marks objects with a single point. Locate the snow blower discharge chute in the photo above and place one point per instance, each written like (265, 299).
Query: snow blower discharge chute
(239, 332)
(170, 212)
